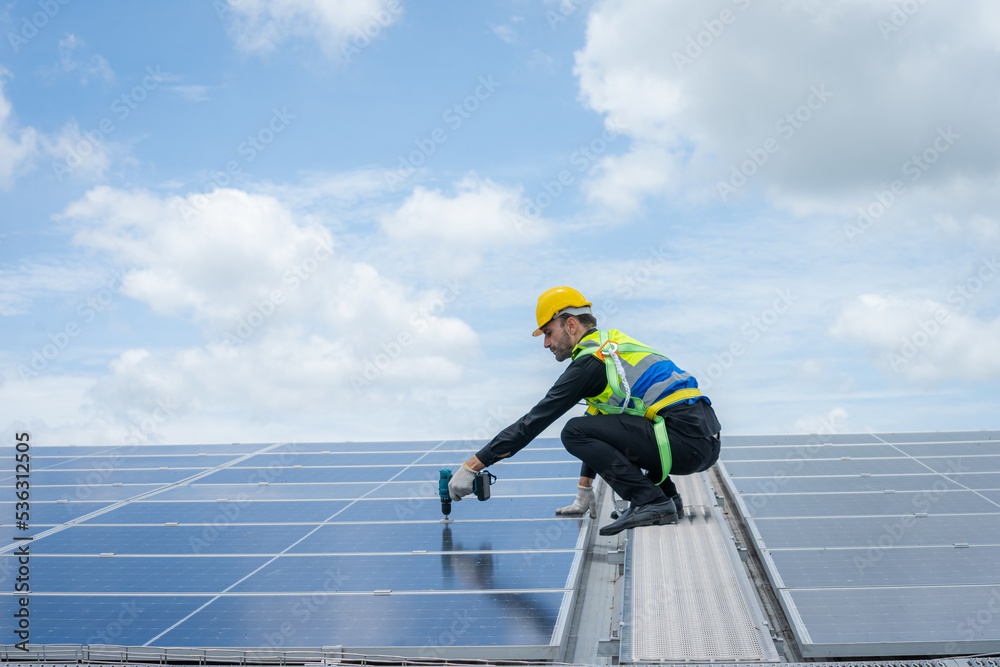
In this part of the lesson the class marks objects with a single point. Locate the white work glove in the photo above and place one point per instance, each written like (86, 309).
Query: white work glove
(461, 483)
(585, 502)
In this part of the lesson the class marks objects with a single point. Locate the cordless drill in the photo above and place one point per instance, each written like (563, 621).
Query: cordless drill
(480, 487)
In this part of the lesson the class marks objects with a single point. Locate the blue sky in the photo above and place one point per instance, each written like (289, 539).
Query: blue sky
(303, 220)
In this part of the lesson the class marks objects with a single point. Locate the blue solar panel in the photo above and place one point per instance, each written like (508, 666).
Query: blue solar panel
(245, 546)
(806, 467)
(494, 619)
(454, 571)
(89, 492)
(783, 481)
(898, 566)
(99, 477)
(517, 535)
(875, 503)
(887, 549)
(162, 539)
(124, 574)
(49, 513)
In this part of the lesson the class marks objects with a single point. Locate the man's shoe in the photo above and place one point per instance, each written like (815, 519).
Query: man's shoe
(679, 504)
(651, 514)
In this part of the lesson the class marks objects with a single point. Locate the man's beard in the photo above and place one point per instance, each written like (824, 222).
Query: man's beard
(563, 348)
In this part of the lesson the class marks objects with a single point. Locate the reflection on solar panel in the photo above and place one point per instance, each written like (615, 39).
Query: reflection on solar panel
(294, 546)
(877, 544)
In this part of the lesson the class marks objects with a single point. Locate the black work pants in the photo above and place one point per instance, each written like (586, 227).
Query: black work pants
(617, 446)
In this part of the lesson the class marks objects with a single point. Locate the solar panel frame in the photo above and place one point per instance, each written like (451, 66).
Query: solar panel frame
(797, 552)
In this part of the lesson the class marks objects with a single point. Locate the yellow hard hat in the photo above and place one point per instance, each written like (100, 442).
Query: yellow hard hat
(554, 302)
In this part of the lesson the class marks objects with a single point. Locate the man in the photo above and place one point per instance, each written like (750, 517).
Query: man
(666, 426)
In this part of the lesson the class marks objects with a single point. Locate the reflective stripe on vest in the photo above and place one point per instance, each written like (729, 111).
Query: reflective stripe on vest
(652, 377)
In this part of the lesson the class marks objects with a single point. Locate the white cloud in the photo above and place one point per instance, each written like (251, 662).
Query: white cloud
(290, 323)
(263, 25)
(452, 232)
(31, 279)
(69, 63)
(506, 33)
(17, 145)
(621, 182)
(73, 153)
(705, 87)
(922, 340)
(830, 421)
(79, 155)
(192, 92)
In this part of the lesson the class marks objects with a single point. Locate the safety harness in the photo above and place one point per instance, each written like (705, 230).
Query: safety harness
(609, 352)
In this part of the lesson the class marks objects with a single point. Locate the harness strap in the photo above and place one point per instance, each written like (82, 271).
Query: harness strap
(670, 399)
(609, 352)
(659, 430)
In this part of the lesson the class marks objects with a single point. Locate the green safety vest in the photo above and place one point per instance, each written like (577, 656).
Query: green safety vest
(630, 364)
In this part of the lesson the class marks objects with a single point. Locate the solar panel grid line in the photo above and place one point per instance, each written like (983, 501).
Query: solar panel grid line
(885, 548)
(34, 460)
(327, 483)
(940, 482)
(299, 554)
(840, 458)
(110, 508)
(867, 516)
(929, 468)
(900, 587)
(193, 524)
(291, 594)
(853, 475)
(175, 625)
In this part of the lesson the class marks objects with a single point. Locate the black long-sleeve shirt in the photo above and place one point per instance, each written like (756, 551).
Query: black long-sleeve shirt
(586, 376)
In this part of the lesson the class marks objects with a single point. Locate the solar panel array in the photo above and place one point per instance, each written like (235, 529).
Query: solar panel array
(293, 545)
(877, 544)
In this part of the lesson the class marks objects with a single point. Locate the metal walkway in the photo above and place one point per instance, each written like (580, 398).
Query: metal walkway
(687, 596)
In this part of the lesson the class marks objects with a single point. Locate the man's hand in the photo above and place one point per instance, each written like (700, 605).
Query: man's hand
(461, 482)
(585, 502)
